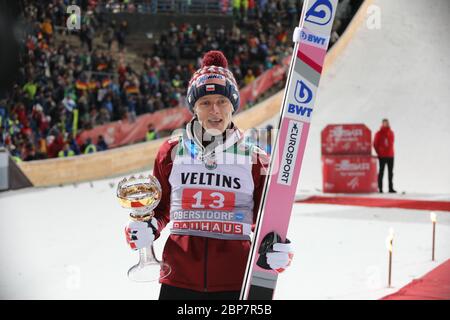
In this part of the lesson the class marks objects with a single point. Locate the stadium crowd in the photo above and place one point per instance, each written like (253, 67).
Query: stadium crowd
(62, 89)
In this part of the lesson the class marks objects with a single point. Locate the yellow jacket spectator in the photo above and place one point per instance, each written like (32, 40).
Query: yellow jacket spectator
(177, 82)
(13, 125)
(151, 133)
(30, 89)
(66, 152)
(249, 77)
(90, 147)
(16, 159)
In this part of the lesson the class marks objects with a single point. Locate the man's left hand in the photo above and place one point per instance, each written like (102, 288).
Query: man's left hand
(282, 256)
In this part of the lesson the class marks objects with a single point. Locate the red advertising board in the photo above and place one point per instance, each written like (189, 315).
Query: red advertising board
(349, 174)
(120, 133)
(344, 139)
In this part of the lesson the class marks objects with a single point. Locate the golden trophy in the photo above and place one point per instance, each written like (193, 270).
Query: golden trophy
(142, 195)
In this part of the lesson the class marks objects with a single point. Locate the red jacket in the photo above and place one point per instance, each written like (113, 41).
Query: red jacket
(200, 263)
(384, 142)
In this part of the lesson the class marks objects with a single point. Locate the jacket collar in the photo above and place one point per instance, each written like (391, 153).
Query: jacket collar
(202, 145)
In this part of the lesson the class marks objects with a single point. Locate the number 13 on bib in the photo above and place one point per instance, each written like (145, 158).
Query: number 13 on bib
(311, 42)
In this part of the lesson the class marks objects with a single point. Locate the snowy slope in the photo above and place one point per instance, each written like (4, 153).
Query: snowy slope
(68, 243)
(400, 72)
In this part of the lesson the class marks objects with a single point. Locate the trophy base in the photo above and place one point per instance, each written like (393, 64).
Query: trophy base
(148, 272)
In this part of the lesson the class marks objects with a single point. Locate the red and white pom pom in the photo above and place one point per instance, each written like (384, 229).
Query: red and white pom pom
(214, 58)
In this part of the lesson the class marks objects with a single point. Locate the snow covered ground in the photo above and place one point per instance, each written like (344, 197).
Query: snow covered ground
(68, 243)
(341, 251)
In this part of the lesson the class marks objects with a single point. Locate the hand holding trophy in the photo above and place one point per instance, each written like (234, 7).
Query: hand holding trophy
(142, 195)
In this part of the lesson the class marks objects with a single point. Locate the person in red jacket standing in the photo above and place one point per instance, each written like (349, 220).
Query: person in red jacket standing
(384, 147)
(212, 181)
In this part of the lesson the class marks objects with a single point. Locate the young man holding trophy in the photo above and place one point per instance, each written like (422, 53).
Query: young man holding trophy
(211, 183)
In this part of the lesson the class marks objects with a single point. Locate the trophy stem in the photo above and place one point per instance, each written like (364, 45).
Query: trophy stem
(152, 252)
(147, 255)
(142, 272)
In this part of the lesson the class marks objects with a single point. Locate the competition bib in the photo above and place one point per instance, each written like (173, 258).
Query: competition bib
(212, 193)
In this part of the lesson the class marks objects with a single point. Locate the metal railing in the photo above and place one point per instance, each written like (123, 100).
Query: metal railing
(214, 7)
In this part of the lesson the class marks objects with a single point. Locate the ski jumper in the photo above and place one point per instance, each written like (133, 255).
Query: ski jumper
(211, 196)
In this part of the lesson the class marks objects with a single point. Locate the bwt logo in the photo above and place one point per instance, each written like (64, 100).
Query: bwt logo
(303, 95)
(299, 110)
(73, 22)
(320, 13)
(313, 39)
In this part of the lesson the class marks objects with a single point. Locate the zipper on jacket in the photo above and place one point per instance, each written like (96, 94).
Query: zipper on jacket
(206, 265)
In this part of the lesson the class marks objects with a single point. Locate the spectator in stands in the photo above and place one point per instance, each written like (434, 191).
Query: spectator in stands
(86, 35)
(109, 34)
(54, 145)
(251, 136)
(104, 116)
(249, 77)
(73, 144)
(56, 78)
(334, 31)
(265, 138)
(132, 108)
(151, 133)
(251, 9)
(15, 154)
(89, 147)
(30, 152)
(66, 151)
(101, 144)
(236, 9)
(244, 9)
(120, 34)
(2, 136)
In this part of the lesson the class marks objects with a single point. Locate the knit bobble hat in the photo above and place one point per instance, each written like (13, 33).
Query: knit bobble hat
(213, 78)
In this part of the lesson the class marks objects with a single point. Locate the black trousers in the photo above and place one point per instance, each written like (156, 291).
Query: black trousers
(390, 164)
(174, 293)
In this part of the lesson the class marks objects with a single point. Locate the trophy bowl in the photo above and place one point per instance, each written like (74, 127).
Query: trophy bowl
(141, 195)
